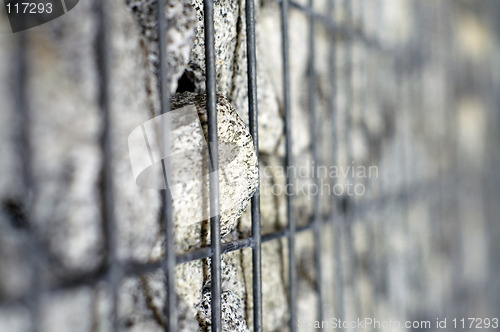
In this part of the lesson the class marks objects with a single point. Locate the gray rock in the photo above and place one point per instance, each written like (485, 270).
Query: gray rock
(233, 318)
(226, 27)
(307, 306)
(237, 175)
(141, 303)
(65, 141)
(274, 300)
(136, 208)
(10, 181)
(58, 311)
(233, 296)
(136, 311)
(188, 289)
(14, 318)
(269, 117)
(270, 52)
(14, 260)
(180, 28)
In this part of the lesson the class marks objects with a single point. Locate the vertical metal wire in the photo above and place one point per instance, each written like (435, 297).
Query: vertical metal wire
(454, 72)
(418, 106)
(352, 213)
(108, 215)
(366, 100)
(395, 204)
(336, 222)
(214, 164)
(437, 213)
(168, 263)
(403, 165)
(381, 71)
(348, 213)
(314, 149)
(291, 228)
(24, 137)
(254, 131)
(349, 26)
(439, 228)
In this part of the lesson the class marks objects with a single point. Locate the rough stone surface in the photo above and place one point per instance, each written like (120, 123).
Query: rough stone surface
(233, 296)
(226, 27)
(152, 289)
(416, 96)
(61, 115)
(136, 207)
(15, 279)
(14, 319)
(58, 314)
(233, 316)
(237, 174)
(180, 32)
(270, 120)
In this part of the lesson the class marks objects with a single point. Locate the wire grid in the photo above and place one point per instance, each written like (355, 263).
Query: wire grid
(115, 271)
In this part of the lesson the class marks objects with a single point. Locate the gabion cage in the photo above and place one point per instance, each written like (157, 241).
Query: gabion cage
(444, 190)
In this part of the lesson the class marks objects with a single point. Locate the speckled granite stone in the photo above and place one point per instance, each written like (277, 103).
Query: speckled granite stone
(237, 173)
(226, 27)
(180, 27)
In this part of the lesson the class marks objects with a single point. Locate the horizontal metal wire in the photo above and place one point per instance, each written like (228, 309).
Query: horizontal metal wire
(427, 190)
(342, 29)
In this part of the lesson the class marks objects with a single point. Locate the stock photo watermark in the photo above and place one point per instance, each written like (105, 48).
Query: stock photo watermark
(321, 180)
(170, 152)
(372, 323)
(27, 14)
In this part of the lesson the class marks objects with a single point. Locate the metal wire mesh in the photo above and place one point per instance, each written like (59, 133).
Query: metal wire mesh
(341, 220)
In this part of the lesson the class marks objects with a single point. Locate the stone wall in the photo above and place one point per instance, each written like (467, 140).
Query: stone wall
(412, 95)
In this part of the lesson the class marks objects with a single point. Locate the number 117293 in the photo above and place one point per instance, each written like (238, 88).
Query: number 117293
(477, 323)
(29, 8)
